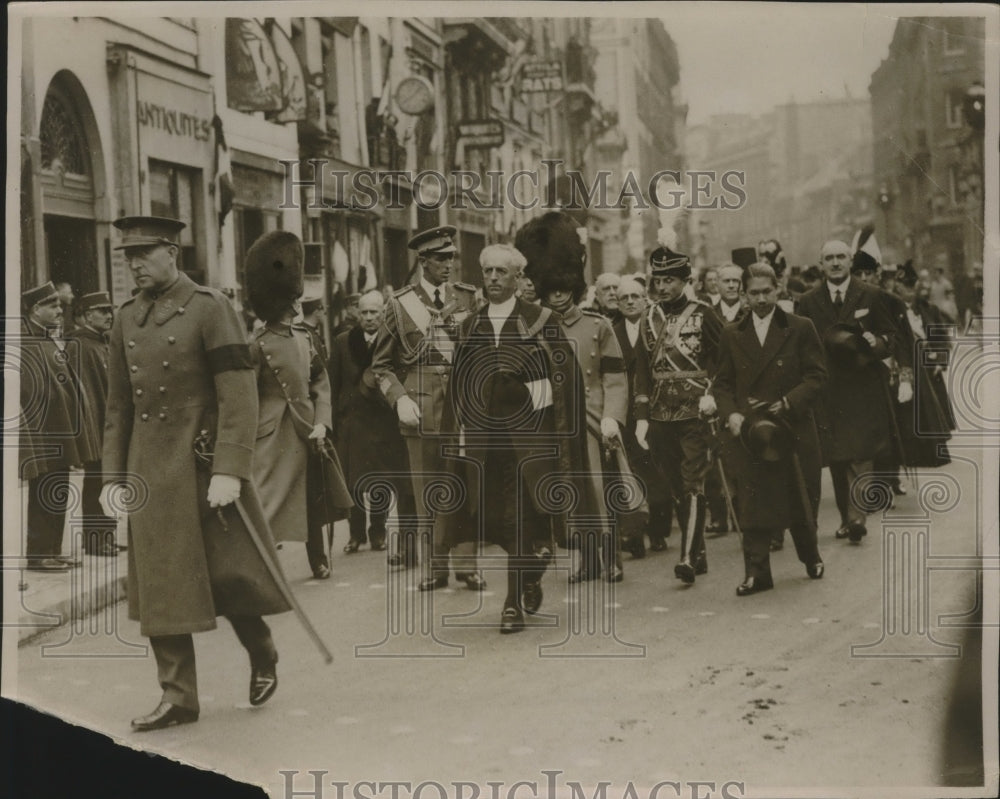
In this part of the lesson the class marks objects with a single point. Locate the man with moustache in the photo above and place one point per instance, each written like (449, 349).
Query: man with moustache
(772, 367)
(517, 410)
(606, 296)
(94, 315)
(678, 338)
(367, 431)
(853, 414)
(56, 427)
(412, 364)
(633, 303)
(179, 439)
(730, 305)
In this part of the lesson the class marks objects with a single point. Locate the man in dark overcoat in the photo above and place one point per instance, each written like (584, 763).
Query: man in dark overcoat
(181, 418)
(853, 414)
(56, 426)
(771, 363)
(517, 410)
(94, 314)
(367, 432)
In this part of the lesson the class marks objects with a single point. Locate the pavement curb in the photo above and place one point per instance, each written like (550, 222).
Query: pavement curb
(61, 599)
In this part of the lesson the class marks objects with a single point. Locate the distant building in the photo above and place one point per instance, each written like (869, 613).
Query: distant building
(928, 158)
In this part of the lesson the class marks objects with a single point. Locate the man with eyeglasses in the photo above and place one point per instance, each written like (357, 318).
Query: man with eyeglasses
(412, 365)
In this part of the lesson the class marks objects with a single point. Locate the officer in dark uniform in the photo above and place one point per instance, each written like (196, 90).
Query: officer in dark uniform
(181, 418)
(94, 315)
(678, 339)
(412, 364)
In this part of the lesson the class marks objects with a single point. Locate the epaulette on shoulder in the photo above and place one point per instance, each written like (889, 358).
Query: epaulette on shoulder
(592, 312)
(464, 287)
(402, 291)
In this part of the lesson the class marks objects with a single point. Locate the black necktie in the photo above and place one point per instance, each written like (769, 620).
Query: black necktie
(437, 299)
(838, 301)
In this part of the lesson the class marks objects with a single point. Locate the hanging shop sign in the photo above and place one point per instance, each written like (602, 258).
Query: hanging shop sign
(541, 76)
(253, 73)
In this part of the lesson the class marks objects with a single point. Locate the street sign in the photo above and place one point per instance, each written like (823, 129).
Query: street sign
(481, 133)
(541, 76)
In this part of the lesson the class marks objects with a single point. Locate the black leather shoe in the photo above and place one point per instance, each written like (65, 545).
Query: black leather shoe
(701, 565)
(46, 565)
(635, 547)
(658, 544)
(614, 575)
(70, 560)
(842, 532)
(776, 546)
(899, 490)
(474, 580)
(531, 596)
(378, 546)
(815, 570)
(511, 621)
(165, 715)
(856, 531)
(263, 683)
(753, 585)
(582, 576)
(398, 561)
(433, 583)
(352, 547)
(685, 572)
(322, 572)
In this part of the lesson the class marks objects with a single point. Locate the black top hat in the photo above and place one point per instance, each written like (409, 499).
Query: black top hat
(846, 347)
(95, 299)
(907, 275)
(437, 240)
(42, 293)
(744, 256)
(147, 231)
(766, 438)
(664, 262)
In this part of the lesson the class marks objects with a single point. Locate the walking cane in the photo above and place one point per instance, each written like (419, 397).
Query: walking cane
(730, 510)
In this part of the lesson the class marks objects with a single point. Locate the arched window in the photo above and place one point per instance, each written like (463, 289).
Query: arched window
(61, 134)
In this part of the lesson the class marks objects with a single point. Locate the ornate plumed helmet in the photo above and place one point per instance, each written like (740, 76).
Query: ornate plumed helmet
(555, 254)
(273, 272)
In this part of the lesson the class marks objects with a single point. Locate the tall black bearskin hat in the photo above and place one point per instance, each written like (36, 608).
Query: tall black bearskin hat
(555, 254)
(770, 250)
(273, 274)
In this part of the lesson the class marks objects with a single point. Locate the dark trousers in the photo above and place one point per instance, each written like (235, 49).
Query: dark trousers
(844, 475)
(661, 509)
(757, 549)
(47, 497)
(681, 451)
(175, 663)
(315, 516)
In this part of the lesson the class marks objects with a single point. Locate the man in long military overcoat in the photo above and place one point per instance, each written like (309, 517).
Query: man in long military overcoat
(181, 417)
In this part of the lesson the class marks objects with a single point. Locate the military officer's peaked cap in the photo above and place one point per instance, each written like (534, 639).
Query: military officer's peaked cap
(664, 262)
(438, 240)
(95, 299)
(46, 291)
(744, 256)
(147, 231)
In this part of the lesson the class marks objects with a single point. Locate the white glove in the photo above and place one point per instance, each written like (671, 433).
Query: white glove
(905, 392)
(735, 423)
(110, 507)
(706, 405)
(408, 411)
(641, 429)
(223, 490)
(319, 431)
(610, 432)
(870, 338)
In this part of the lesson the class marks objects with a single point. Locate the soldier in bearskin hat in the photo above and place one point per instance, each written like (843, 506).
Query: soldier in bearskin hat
(295, 413)
(678, 340)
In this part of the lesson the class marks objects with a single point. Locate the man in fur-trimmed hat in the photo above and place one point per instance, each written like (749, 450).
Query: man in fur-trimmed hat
(678, 339)
(295, 416)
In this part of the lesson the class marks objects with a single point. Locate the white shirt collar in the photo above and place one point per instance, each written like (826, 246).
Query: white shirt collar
(727, 310)
(762, 325)
(632, 330)
(842, 288)
(501, 310)
(430, 288)
(715, 299)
